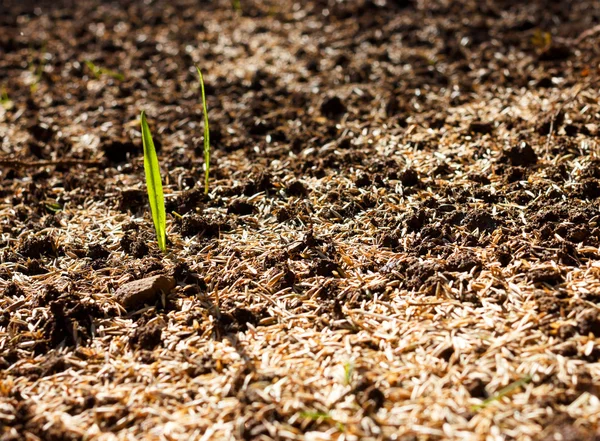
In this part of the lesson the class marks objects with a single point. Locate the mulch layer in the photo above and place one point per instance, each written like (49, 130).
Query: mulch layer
(400, 242)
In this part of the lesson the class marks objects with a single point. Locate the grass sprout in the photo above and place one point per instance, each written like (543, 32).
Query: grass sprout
(315, 416)
(5, 101)
(99, 71)
(503, 392)
(237, 5)
(322, 416)
(206, 133)
(53, 206)
(37, 70)
(154, 185)
(348, 372)
(541, 39)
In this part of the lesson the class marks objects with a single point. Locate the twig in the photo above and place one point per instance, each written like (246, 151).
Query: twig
(16, 163)
(587, 33)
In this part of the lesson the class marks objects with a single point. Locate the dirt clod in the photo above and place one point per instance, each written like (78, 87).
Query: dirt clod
(409, 177)
(203, 225)
(297, 189)
(134, 245)
(482, 128)
(132, 199)
(546, 275)
(333, 108)
(12, 290)
(97, 251)
(36, 247)
(589, 323)
(148, 336)
(521, 155)
(241, 208)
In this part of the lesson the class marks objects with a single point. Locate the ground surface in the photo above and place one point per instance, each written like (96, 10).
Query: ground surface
(400, 241)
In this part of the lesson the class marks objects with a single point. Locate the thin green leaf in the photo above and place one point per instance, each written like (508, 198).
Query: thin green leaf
(503, 392)
(99, 71)
(92, 67)
(348, 372)
(53, 207)
(154, 185)
(316, 415)
(5, 101)
(206, 134)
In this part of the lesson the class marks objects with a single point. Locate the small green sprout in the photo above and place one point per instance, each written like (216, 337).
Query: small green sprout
(53, 206)
(322, 416)
(99, 71)
(503, 392)
(348, 372)
(316, 416)
(237, 5)
(37, 70)
(5, 101)
(206, 133)
(541, 39)
(154, 185)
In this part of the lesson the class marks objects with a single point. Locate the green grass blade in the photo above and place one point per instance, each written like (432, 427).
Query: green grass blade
(315, 415)
(93, 68)
(99, 71)
(503, 392)
(206, 134)
(154, 185)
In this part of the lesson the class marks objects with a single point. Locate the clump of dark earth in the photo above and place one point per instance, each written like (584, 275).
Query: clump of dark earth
(481, 128)
(203, 225)
(70, 321)
(132, 199)
(324, 267)
(481, 220)
(555, 52)
(41, 132)
(550, 276)
(262, 182)
(476, 388)
(236, 320)
(96, 251)
(297, 189)
(414, 221)
(120, 151)
(134, 245)
(12, 290)
(409, 177)
(520, 155)
(333, 108)
(35, 247)
(240, 207)
(589, 323)
(462, 261)
(187, 201)
(420, 272)
(34, 267)
(147, 336)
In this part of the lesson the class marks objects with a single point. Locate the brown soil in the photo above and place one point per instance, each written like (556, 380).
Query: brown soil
(402, 220)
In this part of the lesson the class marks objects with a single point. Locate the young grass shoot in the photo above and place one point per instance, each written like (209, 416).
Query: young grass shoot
(5, 101)
(503, 392)
(206, 133)
(154, 185)
(98, 71)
